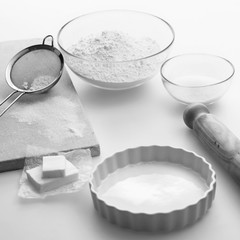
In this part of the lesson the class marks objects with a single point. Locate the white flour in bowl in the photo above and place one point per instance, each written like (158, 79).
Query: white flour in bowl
(108, 56)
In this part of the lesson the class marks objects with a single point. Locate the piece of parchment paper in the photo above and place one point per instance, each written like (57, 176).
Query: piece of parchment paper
(81, 159)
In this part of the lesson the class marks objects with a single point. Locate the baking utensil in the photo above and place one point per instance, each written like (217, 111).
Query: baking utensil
(41, 124)
(153, 188)
(215, 136)
(201, 78)
(33, 70)
(113, 74)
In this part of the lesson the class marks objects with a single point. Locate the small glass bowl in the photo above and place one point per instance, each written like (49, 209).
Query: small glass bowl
(202, 78)
(116, 74)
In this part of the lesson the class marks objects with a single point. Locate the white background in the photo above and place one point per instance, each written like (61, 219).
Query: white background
(142, 116)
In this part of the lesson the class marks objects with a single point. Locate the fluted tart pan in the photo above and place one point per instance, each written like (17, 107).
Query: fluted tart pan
(153, 188)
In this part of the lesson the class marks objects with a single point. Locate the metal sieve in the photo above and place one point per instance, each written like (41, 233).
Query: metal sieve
(35, 69)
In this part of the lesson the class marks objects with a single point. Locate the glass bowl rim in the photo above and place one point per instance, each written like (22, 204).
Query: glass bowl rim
(116, 10)
(197, 54)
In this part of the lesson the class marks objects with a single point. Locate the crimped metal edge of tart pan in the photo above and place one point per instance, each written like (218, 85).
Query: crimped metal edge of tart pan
(160, 221)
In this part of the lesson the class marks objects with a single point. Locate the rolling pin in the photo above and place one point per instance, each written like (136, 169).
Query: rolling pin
(215, 136)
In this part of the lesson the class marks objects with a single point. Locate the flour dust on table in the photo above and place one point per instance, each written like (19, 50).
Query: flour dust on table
(55, 123)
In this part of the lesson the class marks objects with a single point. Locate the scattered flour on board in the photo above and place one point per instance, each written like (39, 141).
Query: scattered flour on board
(56, 117)
(106, 56)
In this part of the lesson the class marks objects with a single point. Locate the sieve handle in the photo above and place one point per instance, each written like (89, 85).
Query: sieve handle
(48, 36)
(215, 136)
(10, 95)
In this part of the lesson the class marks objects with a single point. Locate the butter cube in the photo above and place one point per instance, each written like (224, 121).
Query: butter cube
(46, 184)
(53, 166)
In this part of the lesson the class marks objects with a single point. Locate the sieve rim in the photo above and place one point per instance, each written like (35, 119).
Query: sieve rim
(25, 51)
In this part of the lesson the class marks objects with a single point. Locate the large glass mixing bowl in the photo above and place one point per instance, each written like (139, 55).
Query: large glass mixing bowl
(120, 74)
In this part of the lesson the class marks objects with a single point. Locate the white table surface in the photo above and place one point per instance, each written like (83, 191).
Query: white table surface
(142, 116)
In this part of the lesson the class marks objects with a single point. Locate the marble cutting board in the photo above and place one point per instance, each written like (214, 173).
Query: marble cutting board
(41, 124)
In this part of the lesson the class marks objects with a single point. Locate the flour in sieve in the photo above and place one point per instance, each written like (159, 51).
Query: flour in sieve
(39, 83)
(106, 56)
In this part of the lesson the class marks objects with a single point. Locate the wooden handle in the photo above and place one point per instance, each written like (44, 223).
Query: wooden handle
(216, 136)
